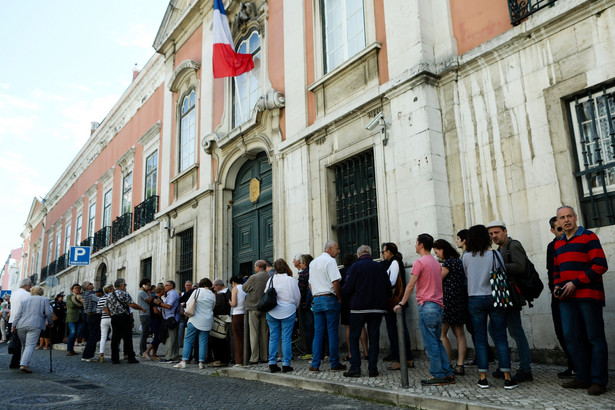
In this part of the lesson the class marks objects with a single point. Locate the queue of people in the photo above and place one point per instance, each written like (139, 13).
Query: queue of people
(453, 292)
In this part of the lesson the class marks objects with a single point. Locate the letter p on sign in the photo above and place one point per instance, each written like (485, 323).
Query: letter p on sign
(80, 255)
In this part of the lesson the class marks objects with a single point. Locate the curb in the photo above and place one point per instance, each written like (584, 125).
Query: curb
(354, 391)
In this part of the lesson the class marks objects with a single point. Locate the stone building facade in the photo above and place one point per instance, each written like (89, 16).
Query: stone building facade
(364, 121)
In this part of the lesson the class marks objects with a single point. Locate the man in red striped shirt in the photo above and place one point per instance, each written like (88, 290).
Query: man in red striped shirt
(579, 265)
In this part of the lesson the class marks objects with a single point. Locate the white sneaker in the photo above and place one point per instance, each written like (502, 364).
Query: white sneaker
(201, 366)
(180, 365)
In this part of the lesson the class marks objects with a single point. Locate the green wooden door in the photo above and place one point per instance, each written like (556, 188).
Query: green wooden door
(252, 218)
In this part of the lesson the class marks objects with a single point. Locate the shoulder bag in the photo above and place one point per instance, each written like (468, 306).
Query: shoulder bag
(220, 326)
(500, 284)
(191, 305)
(171, 322)
(269, 300)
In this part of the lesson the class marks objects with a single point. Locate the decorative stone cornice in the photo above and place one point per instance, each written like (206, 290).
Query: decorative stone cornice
(184, 68)
(150, 134)
(270, 100)
(107, 175)
(91, 191)
(127, 160)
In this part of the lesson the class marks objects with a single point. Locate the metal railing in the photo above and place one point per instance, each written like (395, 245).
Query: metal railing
(62, 263)
(88, 241)
(521, 9)
(44, 273)
(102, 238)
(145, 211)
(121, 227)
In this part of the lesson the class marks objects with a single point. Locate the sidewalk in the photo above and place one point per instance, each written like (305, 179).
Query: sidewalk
(545, 392)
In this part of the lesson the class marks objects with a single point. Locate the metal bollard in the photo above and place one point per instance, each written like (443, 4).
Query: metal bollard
(246, 337)
(403, 358)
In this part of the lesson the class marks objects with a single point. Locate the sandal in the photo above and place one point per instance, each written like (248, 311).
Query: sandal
(459, 370)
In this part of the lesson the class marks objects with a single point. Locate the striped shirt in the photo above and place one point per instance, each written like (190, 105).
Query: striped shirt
(102, 303)
(582, 261)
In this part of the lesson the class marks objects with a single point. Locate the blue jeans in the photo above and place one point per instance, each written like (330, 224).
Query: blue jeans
(357, 320)
(280, 328)
(74, 329)
(515, 329)
(590, 355)
(326, 315)
(430, 323)
(191, 333)
(480, 308)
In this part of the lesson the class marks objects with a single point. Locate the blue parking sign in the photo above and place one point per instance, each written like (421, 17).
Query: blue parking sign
(3, 293)
(80, 255)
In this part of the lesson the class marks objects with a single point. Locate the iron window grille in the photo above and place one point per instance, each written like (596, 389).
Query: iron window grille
(102, 238)
(521, 9)
(121, 227)
(593, 131)
(355, 202)
(185, 256)
(145, 211)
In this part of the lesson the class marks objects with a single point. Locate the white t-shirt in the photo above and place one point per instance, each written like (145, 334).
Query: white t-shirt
(323, 272)
(289, 296)
(16, 298)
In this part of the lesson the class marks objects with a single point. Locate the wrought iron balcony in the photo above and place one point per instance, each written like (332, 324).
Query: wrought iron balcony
(88, 241)
(145, 211)
(44, 273)
(52, 268)
(102, 238)
(122, 226)
(521, 9)
(62, 263)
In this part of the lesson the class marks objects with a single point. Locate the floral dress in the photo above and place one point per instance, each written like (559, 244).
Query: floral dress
(455, 293)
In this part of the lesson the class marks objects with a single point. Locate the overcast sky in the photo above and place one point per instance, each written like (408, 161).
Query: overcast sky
(63, 64)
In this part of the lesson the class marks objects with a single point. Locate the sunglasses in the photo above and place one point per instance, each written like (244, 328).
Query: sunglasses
(559, 229)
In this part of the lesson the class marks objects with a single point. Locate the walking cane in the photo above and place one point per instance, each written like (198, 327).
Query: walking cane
(50, 350)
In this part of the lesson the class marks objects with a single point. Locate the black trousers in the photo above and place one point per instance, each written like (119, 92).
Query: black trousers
(16, 355)
(122, 330)
(93, 322)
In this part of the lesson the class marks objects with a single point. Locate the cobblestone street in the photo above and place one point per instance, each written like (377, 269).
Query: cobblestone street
(75, 384)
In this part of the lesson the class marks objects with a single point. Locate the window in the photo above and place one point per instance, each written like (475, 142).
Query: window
(78, 223)
(246, 87)
(151, 174)
(127, 194)
(355, 199)
(593, 127)
(67, 238)
(91, 219)
(107, 209)
(49, 249)
(146, 268)
(187, 132)
(58, 242)
(343, 28)
(185, 255)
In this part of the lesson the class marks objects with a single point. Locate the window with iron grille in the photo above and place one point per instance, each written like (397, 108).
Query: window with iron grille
(185, 256)
(146, 268)
(593, 131)
(355, 203)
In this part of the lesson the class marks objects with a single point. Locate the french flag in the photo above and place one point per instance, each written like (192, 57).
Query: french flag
(226, 62)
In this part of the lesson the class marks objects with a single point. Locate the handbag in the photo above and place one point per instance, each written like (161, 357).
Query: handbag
(171, 322)
(269, 300)
(13, 343)
(500, 289)
(398, 293)
(219, 328)
(191, 305)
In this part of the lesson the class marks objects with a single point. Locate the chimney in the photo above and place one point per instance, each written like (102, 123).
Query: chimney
(135, 72)
(93, 126)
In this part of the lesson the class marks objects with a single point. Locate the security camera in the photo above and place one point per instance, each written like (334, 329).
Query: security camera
(377, 120)
(166, 225)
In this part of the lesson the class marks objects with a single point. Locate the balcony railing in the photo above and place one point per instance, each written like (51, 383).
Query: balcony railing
(62, 263)
(52, 268)
(102, 238)
(44, 273)
(145, 211)
(34, 279)
(521, 9)
(121, 226)
(88, 241)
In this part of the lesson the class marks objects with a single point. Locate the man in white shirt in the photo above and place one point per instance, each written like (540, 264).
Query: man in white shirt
(325, 285)
(16, 298)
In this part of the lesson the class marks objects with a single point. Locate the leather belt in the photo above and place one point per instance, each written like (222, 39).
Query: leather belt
(328, 295)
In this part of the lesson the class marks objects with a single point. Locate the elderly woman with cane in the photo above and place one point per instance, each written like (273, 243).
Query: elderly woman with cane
(34, 315)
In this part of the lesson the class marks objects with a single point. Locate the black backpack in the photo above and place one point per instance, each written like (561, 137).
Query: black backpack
(530, 285)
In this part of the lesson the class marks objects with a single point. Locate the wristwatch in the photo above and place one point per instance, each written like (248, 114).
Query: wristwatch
(401, 304)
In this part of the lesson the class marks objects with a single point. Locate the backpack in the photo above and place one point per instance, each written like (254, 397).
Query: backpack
(530, 285)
